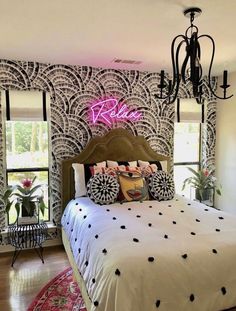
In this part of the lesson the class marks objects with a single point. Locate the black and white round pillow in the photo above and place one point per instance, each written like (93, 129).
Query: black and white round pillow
(161, 186)
(103, 188)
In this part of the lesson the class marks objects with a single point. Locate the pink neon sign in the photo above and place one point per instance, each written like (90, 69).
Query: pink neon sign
(110, 110)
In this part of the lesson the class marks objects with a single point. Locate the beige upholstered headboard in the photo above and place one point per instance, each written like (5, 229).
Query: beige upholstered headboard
(116, 145)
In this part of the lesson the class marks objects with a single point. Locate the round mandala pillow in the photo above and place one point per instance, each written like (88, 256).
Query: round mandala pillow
(161, 186)
(103, 188)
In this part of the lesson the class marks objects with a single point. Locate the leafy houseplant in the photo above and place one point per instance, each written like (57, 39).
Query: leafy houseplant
(24, 198)
(203, 181)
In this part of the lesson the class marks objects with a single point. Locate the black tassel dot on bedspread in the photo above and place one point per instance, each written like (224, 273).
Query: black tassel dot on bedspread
(191, 297)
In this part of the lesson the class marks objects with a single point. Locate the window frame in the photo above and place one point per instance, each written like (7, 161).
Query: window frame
(199, 162)
(45, 113)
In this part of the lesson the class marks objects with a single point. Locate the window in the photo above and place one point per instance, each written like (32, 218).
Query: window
(26, 137)
(187, 149)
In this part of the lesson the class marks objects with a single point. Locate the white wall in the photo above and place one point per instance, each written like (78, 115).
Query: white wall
(226, 148)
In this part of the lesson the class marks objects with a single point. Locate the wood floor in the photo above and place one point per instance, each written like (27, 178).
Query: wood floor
(19, 285)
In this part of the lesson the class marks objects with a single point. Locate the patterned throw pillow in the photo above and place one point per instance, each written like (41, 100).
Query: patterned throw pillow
(103, 188)
(148, 170)
(161, 186)
(106, 170)
(132, 187)
(158, 165)
(118, 163)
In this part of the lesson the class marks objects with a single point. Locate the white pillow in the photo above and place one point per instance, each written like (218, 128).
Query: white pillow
(115, 163)
(79, 177)
(146, 163)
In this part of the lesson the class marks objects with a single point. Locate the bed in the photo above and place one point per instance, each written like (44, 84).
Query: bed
(150, 255)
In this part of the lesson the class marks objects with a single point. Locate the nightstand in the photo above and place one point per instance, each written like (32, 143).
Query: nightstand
(27, 236)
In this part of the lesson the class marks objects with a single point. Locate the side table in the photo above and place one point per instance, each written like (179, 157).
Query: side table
(27, 236)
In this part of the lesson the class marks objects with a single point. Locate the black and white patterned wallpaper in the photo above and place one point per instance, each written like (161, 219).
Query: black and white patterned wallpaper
(72, 88)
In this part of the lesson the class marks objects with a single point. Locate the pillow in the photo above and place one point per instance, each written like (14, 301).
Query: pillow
(161, 186)
(160, 165)
(132, 188)
(148, 170)
(103, 188)
(82, 174)
(106, 170)
(115, 163)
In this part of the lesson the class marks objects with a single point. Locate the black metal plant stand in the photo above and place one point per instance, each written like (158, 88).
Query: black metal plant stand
(27, 236)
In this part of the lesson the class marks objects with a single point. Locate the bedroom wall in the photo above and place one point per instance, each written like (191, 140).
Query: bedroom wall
(226, 149)
(71, 88)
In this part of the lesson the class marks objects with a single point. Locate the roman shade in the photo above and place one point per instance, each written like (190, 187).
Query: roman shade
(25, 105)
(188, 110)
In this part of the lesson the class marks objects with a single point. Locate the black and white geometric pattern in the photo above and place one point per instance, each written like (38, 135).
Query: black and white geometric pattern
(72, 88)
(103, 188)
(161, 186)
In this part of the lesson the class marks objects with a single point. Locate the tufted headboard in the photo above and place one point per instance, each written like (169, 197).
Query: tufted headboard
(117, 145)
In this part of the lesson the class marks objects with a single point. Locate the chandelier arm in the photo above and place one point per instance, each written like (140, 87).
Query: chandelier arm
(210, 67)
(200, 66)
(185, 62)
(175, 74)
(174, 57)
(176, 79)
(175, 68)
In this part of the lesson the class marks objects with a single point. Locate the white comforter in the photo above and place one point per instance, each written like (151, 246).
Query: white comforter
(173, 255)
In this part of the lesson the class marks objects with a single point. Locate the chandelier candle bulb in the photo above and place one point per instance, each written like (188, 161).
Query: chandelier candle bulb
(162, 77)
(225, 78)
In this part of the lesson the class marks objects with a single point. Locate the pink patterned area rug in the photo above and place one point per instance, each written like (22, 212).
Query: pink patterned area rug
(61, 293)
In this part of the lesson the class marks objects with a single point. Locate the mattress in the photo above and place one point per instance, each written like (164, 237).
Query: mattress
(172, 255)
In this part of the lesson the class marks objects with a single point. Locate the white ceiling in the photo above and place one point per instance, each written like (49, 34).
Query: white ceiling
(94, 32)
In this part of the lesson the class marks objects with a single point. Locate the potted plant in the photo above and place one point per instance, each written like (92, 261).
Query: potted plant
(204, 183)
(24, 199)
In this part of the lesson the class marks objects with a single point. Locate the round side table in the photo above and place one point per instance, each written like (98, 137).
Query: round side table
(27, 236)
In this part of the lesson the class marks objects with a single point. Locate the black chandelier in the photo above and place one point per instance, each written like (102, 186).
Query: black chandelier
(191, 68)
